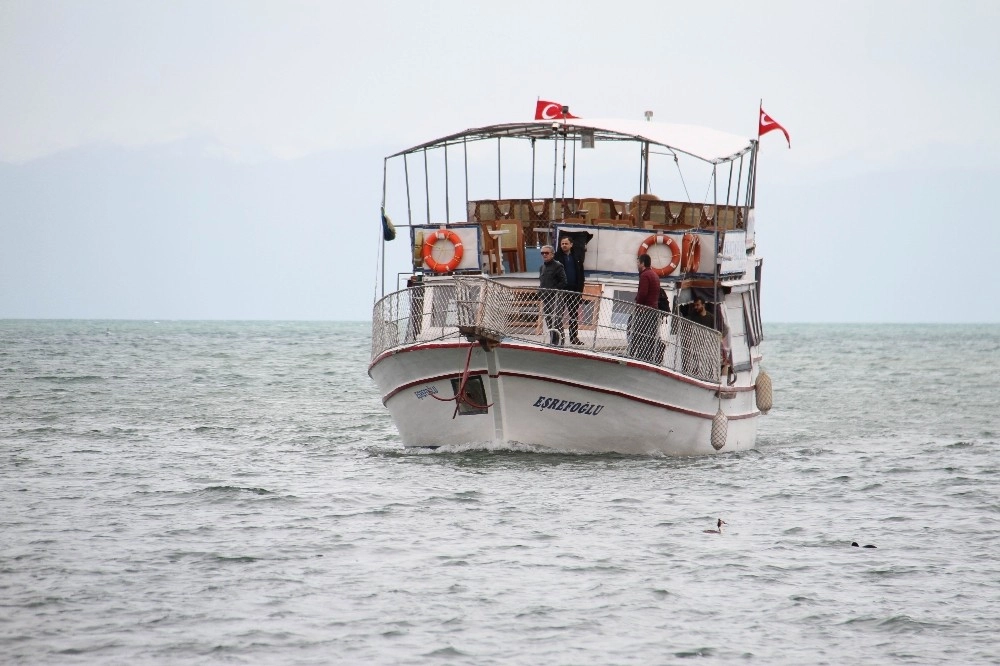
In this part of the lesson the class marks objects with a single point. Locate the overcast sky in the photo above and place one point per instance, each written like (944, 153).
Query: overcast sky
(223, 160)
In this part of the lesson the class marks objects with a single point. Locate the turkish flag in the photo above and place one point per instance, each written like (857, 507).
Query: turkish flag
(550, 111)
(767, 124)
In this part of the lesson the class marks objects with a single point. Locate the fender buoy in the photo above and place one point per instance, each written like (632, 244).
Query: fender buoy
(437, 266)
(675, 252)
(691, 253)
(763, 392)
(720, 428)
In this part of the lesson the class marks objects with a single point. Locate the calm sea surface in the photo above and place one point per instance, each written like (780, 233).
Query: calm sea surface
(223, 492)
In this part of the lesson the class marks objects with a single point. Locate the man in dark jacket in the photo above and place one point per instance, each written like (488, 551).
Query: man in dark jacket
(692, 363)
(644, 323)
(699, 314)
(552, 275)
(649, 283)
(574, 285)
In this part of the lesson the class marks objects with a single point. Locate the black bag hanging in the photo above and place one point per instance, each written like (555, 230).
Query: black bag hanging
(663, 303)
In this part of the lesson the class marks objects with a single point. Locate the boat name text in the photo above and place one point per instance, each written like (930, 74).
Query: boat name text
(424, 392)
(558, 405)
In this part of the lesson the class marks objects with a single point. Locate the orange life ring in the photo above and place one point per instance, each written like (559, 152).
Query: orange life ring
(456, 259)
(674, 250)
(691, 254)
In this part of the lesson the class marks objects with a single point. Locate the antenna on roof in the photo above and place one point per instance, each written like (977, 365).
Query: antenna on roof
(645, 158)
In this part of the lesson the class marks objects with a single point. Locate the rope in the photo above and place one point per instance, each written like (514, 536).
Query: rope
(680, 173)
(461, 397)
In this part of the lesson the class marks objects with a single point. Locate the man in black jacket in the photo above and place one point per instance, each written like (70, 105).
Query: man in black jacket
(573, 265)
(552, 275)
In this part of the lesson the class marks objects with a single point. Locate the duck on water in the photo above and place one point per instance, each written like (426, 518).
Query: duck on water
(718, 527)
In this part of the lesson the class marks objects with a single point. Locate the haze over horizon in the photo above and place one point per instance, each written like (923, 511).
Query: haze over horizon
(223, 160)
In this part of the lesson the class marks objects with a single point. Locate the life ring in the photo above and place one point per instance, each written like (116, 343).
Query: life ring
(456, 259)
(691, 254)
(674, 251)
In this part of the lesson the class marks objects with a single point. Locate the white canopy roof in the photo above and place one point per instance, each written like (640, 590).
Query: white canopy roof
(700, 142)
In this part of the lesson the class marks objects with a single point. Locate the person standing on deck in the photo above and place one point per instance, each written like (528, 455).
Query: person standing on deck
(644, 323)
(649, 283)
(552, 275)
(574, 285)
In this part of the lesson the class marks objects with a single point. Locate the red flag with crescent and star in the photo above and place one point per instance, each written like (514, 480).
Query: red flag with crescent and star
(550, 111)
(768, 124)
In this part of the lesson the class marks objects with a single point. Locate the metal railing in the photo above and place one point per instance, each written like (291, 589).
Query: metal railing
(485, 308)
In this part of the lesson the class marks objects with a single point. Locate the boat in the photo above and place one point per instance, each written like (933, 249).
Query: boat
(469, 351)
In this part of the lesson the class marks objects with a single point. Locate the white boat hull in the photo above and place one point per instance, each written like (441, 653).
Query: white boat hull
(559, 399)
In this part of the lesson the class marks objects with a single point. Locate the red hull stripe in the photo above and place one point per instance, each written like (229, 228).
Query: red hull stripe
(564, 382)
(436, 378)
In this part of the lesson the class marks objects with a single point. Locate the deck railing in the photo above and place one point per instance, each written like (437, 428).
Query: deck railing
(487, 309)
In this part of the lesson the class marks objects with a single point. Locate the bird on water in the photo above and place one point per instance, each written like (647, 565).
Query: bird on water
(718, 525)
(855, 544)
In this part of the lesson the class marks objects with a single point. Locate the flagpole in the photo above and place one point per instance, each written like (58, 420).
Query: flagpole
(385, 180)
(760, 110)
(753, 162)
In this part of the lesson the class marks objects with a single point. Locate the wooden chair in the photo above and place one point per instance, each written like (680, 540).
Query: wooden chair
(590, 208)
(638, 208)
(491, 249)
(484, 210)
(730, 217)
(619, 209)
(503, 209)
(519, 209)
(598, 208)
(708, 213)
(692, 215)
(511, 244)
(657, 212)
(537, 219)
(675, 212)
(559, 209)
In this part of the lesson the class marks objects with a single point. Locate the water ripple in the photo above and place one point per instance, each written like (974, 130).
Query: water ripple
(191, 492)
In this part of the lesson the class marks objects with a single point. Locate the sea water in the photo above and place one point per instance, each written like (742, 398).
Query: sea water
(224, 492)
